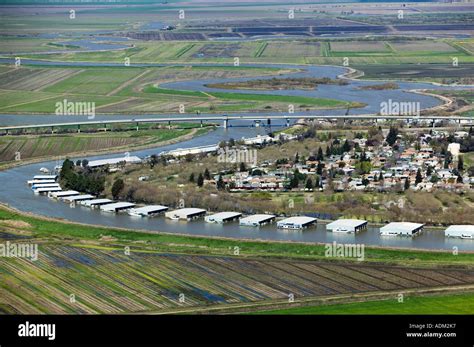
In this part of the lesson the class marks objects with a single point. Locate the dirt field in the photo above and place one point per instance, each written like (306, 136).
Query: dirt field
(105, 281)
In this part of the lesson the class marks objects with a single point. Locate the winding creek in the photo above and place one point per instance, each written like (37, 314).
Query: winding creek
(16, 193)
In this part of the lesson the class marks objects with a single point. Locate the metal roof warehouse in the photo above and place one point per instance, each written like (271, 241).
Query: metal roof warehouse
(147, 210)
(114, 161)
(462, 231)
(186, 213)
(257, 220)
(81, 197)
(298, 222)
(47, 190)
(116, 207)
(401, 228)
(223, 217)
(64, 194)
(96, 202)
(347, 225)
(44, 185)
(45, 177)
(31, 182)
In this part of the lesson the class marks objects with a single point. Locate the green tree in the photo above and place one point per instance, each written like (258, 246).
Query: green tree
(407, 183)
(207, 175)
(200, 180)
(392, 136)
(346, 147)
(191, 178)
(418, 178)
(434, 178)
(363, 167)
(220, 183)
(320, 156)
(460, 163)
(429, 170)
(117, 187)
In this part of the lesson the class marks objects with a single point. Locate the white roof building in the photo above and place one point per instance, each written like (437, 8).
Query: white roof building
(45, 177)
(461, 231)
(44, 185)
(401, 229)
(257, 220)
(185, 213)
(179, 152)
(347, 225)
(76, 198)
(454, 148)
(47, 190)
(114, 161)
(96, 202)
(64, 193)
(147, 211)
(31, 182)
(298, 222)
(117, 206)
(223, 217)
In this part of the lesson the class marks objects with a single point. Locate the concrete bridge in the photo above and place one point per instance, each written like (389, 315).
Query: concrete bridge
(227, 119)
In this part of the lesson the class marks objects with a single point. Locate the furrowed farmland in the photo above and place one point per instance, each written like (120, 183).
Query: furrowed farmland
(109, 281)
(40, 146)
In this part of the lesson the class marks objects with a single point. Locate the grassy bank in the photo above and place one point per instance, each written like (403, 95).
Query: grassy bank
(318, 102)
(440, 304)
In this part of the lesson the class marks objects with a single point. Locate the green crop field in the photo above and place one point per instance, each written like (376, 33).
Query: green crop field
(95, 81)
(66, 144)
(442, 304)
(295, 51)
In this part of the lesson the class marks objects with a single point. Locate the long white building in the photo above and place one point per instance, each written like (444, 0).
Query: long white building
(114, 161)
(257, 220)
(347, 225)
(299, 222)
(461, 231)
(116, 207)
(185, 213)
(95, 202)
(223, 217)
(63, 194)
(401, 229)
(147, 211)
(78, 198)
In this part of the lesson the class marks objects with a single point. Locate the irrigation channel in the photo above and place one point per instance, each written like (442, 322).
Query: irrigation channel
(16, 192)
